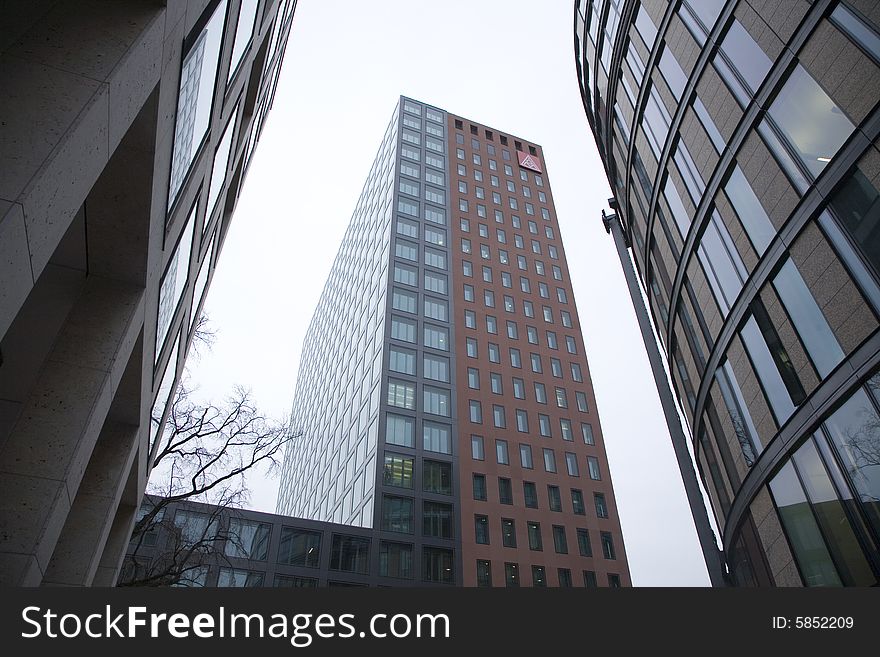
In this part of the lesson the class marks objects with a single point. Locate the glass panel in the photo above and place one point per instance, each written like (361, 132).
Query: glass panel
(749, 209)
(814, 125)
(195, 98)
(857, 205)
(174, 281)
(243, 31)
(221, 161)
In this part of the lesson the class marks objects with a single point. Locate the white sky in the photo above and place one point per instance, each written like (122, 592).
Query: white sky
(509, 65)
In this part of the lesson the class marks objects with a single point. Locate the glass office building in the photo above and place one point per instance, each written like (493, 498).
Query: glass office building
(127, 133)
(443, 398)
(740, 141)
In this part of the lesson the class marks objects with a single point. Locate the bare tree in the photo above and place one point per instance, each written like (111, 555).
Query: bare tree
(204, 455)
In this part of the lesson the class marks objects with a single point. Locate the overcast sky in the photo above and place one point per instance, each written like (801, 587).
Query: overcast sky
(509, 65)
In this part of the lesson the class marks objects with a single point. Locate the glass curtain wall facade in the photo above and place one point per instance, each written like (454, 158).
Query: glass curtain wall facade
(742, 151)
(115, 207)
(389, 426)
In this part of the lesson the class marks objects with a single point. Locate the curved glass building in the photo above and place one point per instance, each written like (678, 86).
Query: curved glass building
(740, 140)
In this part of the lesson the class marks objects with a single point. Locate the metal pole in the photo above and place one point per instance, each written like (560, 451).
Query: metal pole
(706, 536)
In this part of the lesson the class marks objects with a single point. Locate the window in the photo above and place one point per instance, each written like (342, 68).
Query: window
(403, 300)
(195, 98)
(436, 519)
(581, 399)
(295, 582)
(436, 337)
(530, 494)
(511, 575)
(491, 324)
(515, 358)
(576, 373)
(489, 298)
(395, 560)
(593, 464)
(470, 319)
(397, 514)
(350, 554)
(471, 345)
(402, 360)
(435, 309)
(435, 235)
(435, 282)
(469, 293)
(299, 547)
(510, 307)
(601, 508)
(544, 425)
(398, 470)
(435, 258)
(566, 318)
(476, 411)
(565, 428)
(481, 530)
(467, 268)
(473, 378)
(248, 540)
(522, 421)
(519, 388)
(536, 363)
(496, 383)
(479, 487)
(498, 416)
(484, 573)
(477, 452)
(436, 437)
(548, 315)
(406, 250)
(505, 491)
(399, 430)
(607, 545)
(587, 433)
(508, 533)
(405, 275)
(524, 284)
(543, 291)
(561, 398)
(539, 576)
(409, 187)
(438, 565)
(556, 368)
(525, 456)
(540, 393)
(532, 334)
(485, 253)
(501, 454)
(408, 228)
(577, 502)
(560, 542)
(401, 394)
(494, 353)
(811, 121)
(555, 498)
(549, 460)
(561, 296)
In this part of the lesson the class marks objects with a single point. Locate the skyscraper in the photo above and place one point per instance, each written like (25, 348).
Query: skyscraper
(740, 143)
(126, 130)
(443, 397)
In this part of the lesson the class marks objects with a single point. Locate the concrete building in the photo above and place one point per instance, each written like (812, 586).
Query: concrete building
(444, 397)
(740, 141)
(126, 130)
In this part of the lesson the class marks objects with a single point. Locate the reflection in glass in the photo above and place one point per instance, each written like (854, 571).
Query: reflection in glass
(813, 124)
(857, 205)
(195, 97)
(174, 281)
(749, 210)
(243, 31)
(221, 160)
(808, 320)
(248, 539)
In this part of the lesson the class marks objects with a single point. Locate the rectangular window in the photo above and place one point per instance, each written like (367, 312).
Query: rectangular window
(496, 385)
(571, 464)
(473, 375)
(525, 456)
(299, 547)
(539, 576)
(484, 573)
(402, 360)
(549, 460)
(404, 300)
(601, 508)
(508, 533)
(396, 560)
(593, 464)
(519, 388)
(398, 470)
(436, 337)
(436, 437)
(530, 494)
(475, 410)
(471, 345)
(435, 309)
(555, 498)
(397, 514)
(584, 547)
(564, 575)
(399, 430)
(505, 491)
(401, 394)
(477, 452)
(438, 564)
(560, 541)
(435, 258)
(248, 540)
(544, 425)
(501, 454)
(498, 416)
(479, 487)
(405, 275)
(511, 575)
(534, 531)
(350, 554)
(522, 421)
(437, 477)
(607, 545)
(481, 530)
(587, 433)
(437, 520)
(406, 250)
(435, 368)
